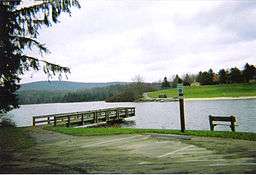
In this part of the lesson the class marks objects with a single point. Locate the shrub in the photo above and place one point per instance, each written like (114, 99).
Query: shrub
(162, 96)
(6, 122)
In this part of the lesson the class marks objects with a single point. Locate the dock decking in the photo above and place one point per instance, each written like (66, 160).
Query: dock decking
(85, 117)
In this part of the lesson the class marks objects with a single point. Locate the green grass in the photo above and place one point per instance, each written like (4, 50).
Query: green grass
(209, 91)
(113, 131)
(15, 138)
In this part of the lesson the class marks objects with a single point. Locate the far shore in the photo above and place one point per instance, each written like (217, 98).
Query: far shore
(221, 98)
(146, 98)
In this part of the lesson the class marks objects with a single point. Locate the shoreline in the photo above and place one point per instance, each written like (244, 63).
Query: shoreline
(221, 98)
(146, 98)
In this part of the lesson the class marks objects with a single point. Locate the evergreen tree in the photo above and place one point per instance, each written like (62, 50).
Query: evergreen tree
(187, 80)
(235, 75)
(18, 32)
(165, 83)
(223, 76)
(176, 80)
(210, 77)
(249, 72)
(199, 77)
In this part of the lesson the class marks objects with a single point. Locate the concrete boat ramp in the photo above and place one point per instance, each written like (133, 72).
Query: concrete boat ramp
(133, 153)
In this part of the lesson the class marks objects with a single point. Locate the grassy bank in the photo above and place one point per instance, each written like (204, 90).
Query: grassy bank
(15, 138)
(113, 131)
(210, 91)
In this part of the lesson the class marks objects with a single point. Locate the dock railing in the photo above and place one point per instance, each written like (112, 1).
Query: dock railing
(85, 117)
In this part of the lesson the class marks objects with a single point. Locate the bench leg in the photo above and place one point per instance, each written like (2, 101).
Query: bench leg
(211, 124)
(232, 126)
(212, 127)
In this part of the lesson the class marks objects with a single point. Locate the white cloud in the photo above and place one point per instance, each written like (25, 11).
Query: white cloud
(115, 40)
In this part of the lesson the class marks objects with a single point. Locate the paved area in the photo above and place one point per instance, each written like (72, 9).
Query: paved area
(58, 153)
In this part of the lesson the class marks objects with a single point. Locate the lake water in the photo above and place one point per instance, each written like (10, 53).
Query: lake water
(163, 115)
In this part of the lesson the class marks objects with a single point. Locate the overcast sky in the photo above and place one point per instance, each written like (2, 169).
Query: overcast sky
(115, 40)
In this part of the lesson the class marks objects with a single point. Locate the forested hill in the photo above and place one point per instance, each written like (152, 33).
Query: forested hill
(63, 85)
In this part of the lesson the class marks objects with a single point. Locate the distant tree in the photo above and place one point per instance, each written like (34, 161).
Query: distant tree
(187, 80)
(203, 78)
(199, 76)
(165, 83)
(249, 72)
(138, 86)
(19, 32)
(223, 76)
(207, 78)
(211, 77)
(193, 78)
(177, 80)
(235, 75)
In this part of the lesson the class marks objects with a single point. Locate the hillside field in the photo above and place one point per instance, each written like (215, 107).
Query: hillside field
(211, 91)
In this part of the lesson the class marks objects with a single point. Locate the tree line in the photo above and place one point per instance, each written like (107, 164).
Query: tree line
(63, 96)
(114, 93)
(223, 76)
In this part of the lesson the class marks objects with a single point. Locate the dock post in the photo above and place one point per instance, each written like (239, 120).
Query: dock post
(117, 114)
(126, 113)
(107, 116)
(95, 117)
(82, 119)
(55, 121)
(48, 120)
(69, 121)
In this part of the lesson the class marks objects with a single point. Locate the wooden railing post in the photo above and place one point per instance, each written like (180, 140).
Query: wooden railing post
(133, 111)
(107, 116)
(69, 121)
(82, 119)
(126, 112)
(95, 117)
(48, 120)
(117, 114)
(55, 121)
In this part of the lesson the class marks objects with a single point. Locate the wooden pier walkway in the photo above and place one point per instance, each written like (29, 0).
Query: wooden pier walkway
(85, 117)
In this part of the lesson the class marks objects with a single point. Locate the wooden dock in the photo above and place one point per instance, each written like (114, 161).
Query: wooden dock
(85, 117)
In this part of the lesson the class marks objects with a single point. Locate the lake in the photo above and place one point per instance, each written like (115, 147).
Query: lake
(163, 115)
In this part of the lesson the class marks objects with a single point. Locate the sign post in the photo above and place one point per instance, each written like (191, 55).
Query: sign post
(180, 89)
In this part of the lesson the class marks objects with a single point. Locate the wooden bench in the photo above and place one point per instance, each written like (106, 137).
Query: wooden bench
(231, 119)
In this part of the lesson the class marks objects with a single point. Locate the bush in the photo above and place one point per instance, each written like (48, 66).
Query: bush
(127, 96)
(6, 122)
(162, 96)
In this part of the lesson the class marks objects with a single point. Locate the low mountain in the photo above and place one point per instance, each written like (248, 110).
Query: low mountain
(63, 85)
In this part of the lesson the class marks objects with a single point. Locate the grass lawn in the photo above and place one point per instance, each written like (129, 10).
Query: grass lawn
(113, 131)
(209, 91)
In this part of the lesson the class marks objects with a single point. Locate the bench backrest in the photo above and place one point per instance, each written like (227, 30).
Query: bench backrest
(222, 118)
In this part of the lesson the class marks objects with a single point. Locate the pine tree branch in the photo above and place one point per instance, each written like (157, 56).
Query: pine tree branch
(25, 41)
(49, 68)
(32, 10)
